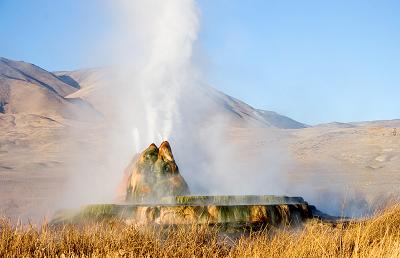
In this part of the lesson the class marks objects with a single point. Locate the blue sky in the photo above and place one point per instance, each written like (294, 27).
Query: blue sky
(315, 61)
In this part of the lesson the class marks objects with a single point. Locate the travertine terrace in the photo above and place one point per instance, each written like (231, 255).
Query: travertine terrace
(157, 193)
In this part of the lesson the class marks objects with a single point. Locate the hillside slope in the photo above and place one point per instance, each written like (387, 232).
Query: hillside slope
(28, 89)
(235, 111)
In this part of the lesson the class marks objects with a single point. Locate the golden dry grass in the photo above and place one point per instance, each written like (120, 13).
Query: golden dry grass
(375, 237)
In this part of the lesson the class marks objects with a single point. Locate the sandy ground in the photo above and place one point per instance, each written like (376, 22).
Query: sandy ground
(330, 165)
(29, 160)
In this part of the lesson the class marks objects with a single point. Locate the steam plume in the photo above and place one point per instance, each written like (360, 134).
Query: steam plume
(146, 97)
(158, 38)
(155, 94)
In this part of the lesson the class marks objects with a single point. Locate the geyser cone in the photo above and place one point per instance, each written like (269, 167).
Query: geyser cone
(158, 194)
(153, 175)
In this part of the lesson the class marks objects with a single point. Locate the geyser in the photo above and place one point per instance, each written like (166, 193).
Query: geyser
(155, 192)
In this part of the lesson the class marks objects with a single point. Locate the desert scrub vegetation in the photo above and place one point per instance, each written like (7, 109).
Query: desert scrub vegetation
(378, 236)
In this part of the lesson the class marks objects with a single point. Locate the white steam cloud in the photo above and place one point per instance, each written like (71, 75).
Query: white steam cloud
(146, 96)
(155, 94)
(156, 51)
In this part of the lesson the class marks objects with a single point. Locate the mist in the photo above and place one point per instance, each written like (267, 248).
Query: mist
(155, 90)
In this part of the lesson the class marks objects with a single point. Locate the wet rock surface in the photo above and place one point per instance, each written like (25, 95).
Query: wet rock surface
(230, 211)
(153, 175)
(233, 215)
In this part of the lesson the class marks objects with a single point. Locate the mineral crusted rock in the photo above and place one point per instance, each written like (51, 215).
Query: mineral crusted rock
(173, 214)
(153, 175)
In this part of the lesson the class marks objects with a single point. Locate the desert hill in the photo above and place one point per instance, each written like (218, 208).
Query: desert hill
(19, 70)
(34, 119)
(235, 111)
(28, 89)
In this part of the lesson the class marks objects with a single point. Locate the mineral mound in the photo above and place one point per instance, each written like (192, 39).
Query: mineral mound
(153, 175)
(155, 192)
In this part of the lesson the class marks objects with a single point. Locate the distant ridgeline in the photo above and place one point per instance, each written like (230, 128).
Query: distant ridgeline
(155, 192)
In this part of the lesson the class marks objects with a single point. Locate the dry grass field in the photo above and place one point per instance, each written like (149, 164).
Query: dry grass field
(378, 236)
